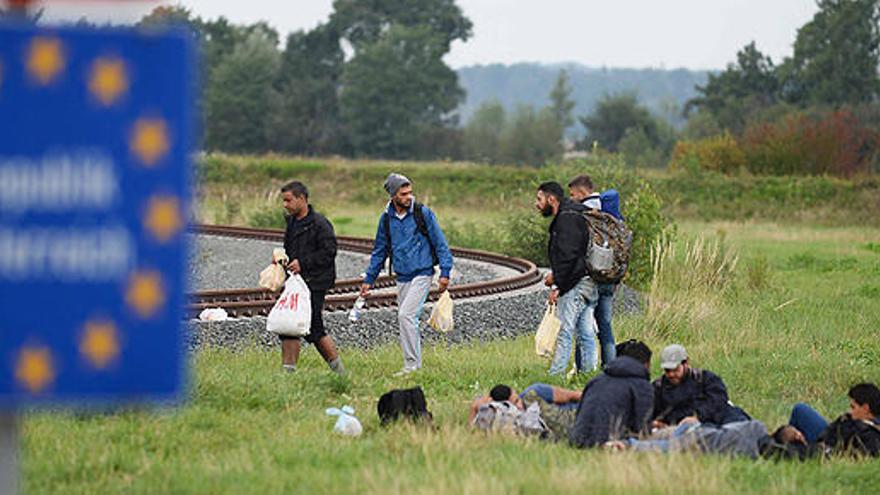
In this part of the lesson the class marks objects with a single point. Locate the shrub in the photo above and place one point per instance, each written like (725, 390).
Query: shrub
(833, 143)
(718, 153)
(643, 213)
(758, 273)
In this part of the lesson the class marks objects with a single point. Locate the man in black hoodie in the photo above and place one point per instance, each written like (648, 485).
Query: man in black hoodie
(310, 243)
(569, 283)
(617, 403)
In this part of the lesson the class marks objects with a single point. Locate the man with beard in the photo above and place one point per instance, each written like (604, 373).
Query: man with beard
(310, 244)
(570, 286)
(410, 236)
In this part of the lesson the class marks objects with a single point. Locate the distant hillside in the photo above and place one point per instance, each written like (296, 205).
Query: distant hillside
(663, 91)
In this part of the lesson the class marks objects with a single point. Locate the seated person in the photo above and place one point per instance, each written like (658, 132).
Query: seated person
(618, 402)
(686, 392)
(856, 431)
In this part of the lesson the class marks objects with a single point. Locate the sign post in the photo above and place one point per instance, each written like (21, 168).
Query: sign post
(95, 165)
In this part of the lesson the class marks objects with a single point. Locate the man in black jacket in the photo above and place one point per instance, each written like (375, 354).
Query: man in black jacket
(569, 283)
(617, 403)
(686, 392)
(310, 244)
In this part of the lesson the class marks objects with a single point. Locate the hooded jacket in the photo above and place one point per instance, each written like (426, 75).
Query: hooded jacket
(567, 248)
(614, 404)
(701, 393)
(312, 241)
(410, 250)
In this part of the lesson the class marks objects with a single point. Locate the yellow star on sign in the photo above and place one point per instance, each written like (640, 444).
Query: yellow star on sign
(149, 140)
(163, 218)
(107, 80)
(99, 343)
(45, 59)
(145, 294)
(34, 369)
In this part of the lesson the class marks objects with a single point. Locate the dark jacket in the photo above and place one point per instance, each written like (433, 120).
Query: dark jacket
(852, 436)
(567, 248)
(312, 242)
(614, 404)
(701, 393)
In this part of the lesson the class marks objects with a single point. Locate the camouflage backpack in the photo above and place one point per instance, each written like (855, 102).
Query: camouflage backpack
(505, 417)
(609, 247)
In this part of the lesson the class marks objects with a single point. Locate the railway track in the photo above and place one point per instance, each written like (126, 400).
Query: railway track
(258, 301)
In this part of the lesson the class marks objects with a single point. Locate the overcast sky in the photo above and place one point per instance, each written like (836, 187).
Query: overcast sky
(696, 34)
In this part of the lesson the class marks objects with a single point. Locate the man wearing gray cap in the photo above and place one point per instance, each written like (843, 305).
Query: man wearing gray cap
(410, 237)
(685, 392)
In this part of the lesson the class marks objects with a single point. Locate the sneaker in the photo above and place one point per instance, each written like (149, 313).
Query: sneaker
(405, 371)
(289, 368)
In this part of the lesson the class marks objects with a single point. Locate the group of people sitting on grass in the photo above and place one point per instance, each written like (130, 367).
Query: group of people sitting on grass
(685, 409)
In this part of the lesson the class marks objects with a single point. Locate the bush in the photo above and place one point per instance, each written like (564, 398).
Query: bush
(643, 213)
(718, 153)
(833, 143)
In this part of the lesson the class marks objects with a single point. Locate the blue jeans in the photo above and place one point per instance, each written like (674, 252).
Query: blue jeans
(545, 392)
(603, 321)
(576, 315)
(807, 421)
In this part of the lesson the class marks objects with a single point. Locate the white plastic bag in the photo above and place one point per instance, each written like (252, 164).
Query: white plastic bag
(272, 277)
(548, 330)
(213, 314)
(441, 317)
(292, 314)
(347, 424)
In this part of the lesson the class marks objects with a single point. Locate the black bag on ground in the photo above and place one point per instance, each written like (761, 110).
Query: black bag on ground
(407, 403)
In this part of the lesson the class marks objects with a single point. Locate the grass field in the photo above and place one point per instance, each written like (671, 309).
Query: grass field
(796, 319)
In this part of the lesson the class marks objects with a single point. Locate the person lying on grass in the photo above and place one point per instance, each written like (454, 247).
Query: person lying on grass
(557, 405)
(856, 432)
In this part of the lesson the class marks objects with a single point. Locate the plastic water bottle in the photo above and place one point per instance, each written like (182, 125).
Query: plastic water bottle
(357, 310)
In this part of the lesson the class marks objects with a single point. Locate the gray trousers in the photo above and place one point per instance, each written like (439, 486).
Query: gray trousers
(410, 299)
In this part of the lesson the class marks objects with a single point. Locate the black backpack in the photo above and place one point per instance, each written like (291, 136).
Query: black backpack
(407, 404)
(421, 227)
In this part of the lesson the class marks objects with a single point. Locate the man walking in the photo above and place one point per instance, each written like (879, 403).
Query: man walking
(310, 244)
(581, 190)
(570, 285)
(410, 236)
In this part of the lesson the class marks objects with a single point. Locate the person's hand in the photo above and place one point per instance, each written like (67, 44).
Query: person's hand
(554, 296)
(658, 424)
(548, 280)
(443, 284)
(690, 420)
(294, 267)
(365, 290)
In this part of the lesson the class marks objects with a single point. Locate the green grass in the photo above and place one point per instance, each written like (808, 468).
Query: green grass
(806, 334)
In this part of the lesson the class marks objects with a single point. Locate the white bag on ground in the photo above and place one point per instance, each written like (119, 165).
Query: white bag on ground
(548, 330)
(292, 314)
(272, 277)
(441, 317)
(347, 424)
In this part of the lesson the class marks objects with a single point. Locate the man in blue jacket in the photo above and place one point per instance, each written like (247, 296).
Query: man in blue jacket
(410, 236)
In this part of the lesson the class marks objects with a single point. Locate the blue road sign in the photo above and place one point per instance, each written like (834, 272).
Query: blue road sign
(96, 136)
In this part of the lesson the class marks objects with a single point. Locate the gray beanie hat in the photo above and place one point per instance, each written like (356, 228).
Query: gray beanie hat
(395, 182)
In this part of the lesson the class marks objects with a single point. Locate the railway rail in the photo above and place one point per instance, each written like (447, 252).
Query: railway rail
(258, 301)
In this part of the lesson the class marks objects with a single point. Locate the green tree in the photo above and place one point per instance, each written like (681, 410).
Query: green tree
(561, 103)
(483, 133)
(398, 95)
(396, 89)
(309, 79)
(241, 101)
(741, 90)
(613, 116)
(531, 137)
(836, 55)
